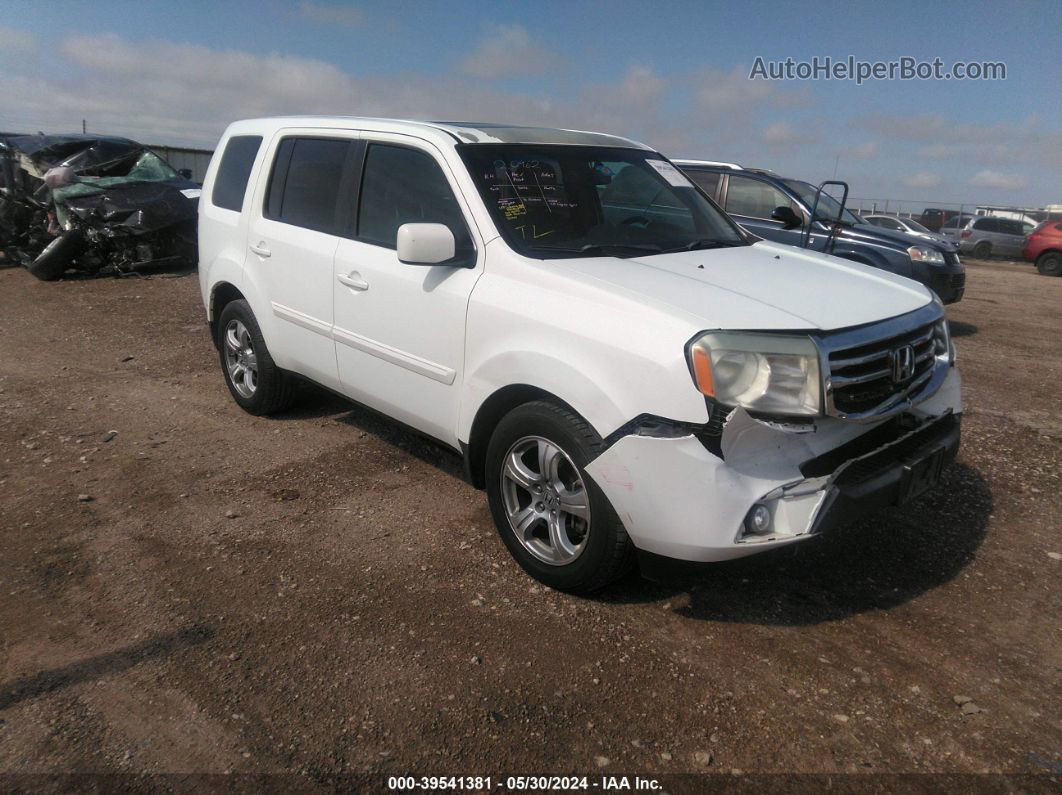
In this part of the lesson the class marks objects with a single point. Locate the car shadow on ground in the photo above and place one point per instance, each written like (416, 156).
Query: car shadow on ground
(875, 564)
(960, 329)
(315, 402)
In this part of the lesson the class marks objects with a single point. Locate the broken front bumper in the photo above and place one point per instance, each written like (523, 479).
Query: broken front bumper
(678, 499)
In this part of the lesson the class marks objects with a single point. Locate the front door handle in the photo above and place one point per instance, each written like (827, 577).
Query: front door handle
(262, 250)
(353, 281)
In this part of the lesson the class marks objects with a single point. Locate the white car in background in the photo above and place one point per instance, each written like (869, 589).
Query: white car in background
(908, 225)
(625, 371)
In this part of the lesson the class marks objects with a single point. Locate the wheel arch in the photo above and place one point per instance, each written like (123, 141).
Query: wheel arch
(489, 414)
(221, 295)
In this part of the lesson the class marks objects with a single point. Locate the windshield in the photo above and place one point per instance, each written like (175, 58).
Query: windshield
(828, 206)
(564, 201)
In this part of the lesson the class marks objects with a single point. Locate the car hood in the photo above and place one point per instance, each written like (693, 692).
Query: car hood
(899, 240)
(765, 286)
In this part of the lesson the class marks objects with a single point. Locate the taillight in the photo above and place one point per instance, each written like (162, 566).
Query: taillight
(966, 233)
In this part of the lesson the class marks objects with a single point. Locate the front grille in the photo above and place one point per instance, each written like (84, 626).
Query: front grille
(948, 281)
(951, 258)
(864, 377)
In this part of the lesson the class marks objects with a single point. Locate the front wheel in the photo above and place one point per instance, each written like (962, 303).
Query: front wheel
(1050, 264)
(57, 256)
(550, 515)
(253, 378)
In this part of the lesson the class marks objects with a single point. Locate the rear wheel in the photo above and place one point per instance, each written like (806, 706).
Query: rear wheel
(551, 516)
(57, 256)
(983, 250)
(253, 379)
(1050, 263)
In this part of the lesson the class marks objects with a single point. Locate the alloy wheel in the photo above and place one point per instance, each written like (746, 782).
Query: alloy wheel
(240, 359)
(545, 500)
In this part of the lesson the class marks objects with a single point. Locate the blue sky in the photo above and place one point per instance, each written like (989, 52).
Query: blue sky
(672, 74)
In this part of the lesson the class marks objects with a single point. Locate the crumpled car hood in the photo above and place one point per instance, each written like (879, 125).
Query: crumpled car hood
(765, 286)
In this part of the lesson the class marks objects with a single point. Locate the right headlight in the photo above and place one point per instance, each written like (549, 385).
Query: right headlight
(766, 373)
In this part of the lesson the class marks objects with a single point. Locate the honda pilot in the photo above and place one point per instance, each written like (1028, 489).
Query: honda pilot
(627, 373)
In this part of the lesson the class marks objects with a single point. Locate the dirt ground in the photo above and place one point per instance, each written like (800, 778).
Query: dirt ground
(188, 589)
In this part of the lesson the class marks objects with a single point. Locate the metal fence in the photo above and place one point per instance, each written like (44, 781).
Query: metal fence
(913, 208)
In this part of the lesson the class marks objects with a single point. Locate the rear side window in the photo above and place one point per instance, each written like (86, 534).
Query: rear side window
(305, 185)
(230, 183)
(707, 181)
(754, 198)
(406, 186)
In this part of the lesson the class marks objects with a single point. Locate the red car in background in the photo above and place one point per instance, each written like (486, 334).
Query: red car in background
(1044, 247)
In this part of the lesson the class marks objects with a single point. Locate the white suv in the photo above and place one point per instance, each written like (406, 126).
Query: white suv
(622, 367)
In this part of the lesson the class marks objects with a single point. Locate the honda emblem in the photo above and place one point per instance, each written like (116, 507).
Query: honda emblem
(903, 363)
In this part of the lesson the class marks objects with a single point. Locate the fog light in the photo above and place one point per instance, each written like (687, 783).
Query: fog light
(759, 520)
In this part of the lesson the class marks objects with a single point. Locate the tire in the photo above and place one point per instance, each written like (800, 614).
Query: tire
(1050, 263)
(57, 256)
(603, 551)
(257, 385)
(983, 250)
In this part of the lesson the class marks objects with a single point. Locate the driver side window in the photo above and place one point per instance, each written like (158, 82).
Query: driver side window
(755, 198)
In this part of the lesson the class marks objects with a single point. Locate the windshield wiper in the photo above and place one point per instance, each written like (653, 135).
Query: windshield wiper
(705, 243)
(603, 248)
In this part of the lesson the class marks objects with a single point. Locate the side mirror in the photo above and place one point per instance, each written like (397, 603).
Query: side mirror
(184, 173)
(425, 244)
(787, 216)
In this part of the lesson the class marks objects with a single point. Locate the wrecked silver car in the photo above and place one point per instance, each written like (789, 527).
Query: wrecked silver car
(93, 204)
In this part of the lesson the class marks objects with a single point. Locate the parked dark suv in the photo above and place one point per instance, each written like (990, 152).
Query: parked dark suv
(779, 209)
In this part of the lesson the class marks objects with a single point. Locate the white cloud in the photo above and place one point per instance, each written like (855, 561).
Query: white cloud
(16, 43)
(506, 51)
(863, 151)
(1002, 143)
(719, 91)
(329, 14)
(782, 134)
(922, 179)
(997, 180)
(641, 86)
(165, 92)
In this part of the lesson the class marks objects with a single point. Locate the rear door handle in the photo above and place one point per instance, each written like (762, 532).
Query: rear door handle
(353, 281)
(262, 250)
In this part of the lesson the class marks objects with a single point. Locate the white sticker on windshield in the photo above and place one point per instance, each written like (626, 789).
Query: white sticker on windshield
(670, 173)
(192, 193)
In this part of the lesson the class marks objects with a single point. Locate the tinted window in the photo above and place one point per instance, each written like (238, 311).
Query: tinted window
(756, 199)
(1013, 227)
(307, 175)
(705, 180)
(406, 186)
(230, 183)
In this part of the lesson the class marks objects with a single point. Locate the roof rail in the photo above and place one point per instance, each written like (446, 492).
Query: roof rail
(684, 162)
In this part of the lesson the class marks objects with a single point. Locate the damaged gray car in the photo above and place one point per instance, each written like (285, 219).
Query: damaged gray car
(94, 205)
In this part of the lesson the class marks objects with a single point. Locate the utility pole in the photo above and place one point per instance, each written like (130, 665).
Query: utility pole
(82, 126)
